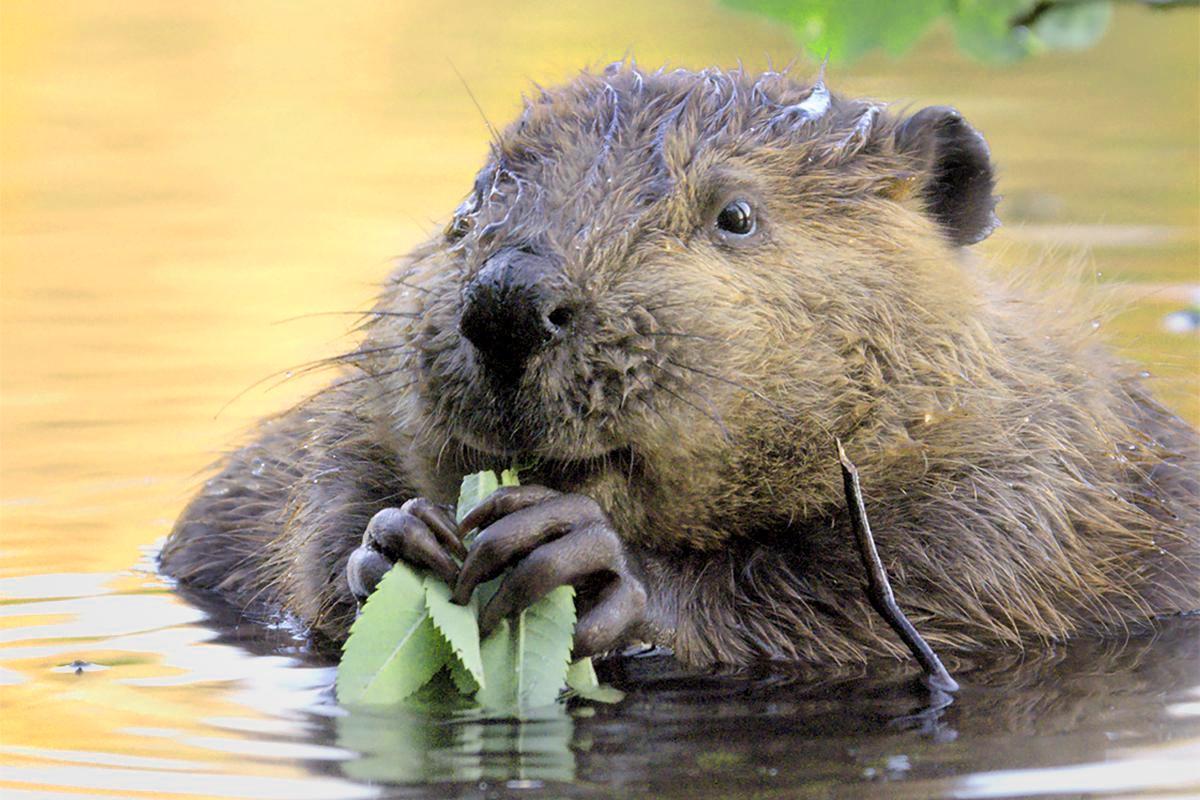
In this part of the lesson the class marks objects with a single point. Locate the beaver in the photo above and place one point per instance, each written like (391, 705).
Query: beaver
(666, 297)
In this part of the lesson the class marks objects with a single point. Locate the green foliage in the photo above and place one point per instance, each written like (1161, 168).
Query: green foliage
(459, 627)
(847, 29)
(983, 28)
(997, 31)
(581, 679)
(412, 644)
(527, 656)
(414, 743)
(474, 489)
(1072, 26)
(396, 648)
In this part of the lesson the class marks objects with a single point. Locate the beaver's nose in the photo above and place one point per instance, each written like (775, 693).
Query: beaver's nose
(513, 308)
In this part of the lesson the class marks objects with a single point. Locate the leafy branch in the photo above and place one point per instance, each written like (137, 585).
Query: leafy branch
(412, 643)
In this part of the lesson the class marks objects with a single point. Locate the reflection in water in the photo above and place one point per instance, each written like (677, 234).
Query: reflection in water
(269, 726)
(131, 721)
(411, 747)
(801, 734)
(177, 178)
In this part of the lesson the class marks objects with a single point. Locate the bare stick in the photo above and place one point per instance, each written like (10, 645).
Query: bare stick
(879, 590)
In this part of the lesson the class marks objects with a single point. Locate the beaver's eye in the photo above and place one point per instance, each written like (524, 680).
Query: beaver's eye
(736, 218)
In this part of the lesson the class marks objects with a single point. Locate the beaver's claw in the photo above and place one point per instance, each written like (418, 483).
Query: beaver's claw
(551, 539)
(418, 532)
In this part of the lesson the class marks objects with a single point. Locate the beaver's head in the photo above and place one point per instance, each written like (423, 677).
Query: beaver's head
(664, 265)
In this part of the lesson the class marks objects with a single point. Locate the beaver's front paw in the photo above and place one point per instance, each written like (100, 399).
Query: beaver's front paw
(552, 540)
(418, 532)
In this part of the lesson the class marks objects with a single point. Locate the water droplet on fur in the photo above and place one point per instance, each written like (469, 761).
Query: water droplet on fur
(1144, 373)
(1095, 324)
(259, 467)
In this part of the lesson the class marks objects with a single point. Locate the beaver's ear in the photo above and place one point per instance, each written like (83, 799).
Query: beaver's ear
(954, 172)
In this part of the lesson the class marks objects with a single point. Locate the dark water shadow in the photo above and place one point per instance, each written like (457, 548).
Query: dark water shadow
(777, 731)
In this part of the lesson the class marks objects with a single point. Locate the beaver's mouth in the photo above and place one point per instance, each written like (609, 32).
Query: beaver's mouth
(563, 471)
(567, 474)
(506, 427)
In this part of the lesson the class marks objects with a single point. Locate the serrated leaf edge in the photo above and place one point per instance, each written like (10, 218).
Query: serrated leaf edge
(431, 583)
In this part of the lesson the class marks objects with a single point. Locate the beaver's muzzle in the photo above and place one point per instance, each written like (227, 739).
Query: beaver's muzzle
(513, 308)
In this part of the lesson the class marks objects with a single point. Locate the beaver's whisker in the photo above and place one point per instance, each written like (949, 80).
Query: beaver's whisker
(662, 305)
(714, 413)
(355, 355)
(393, 390)
(413, 286)
(284, 376)
(778, 409)
(369, 376)
(711, 414)
(689, 336)
(366, 315)
(646, 402)
(487, 122)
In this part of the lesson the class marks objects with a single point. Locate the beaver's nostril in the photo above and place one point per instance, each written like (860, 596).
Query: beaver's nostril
(561, 317)
(512, 309)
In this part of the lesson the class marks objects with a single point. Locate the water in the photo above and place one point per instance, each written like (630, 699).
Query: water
(178, 180)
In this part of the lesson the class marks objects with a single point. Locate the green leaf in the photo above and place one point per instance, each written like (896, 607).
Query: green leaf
(458, 625)
(409, 631)
(525, 659)
(1073, 26)
(393, 648)
(987, 30)
(473, 491)
(983, 29)
(581, 677)
(847, 29)
(440, 694)
(464, 681)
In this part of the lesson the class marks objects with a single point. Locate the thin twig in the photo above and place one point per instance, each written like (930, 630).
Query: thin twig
(879, 589)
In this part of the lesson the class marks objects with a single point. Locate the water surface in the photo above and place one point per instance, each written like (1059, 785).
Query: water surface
(179, 180)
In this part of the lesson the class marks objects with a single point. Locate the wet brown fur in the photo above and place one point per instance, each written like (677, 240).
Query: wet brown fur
(1023, 486)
